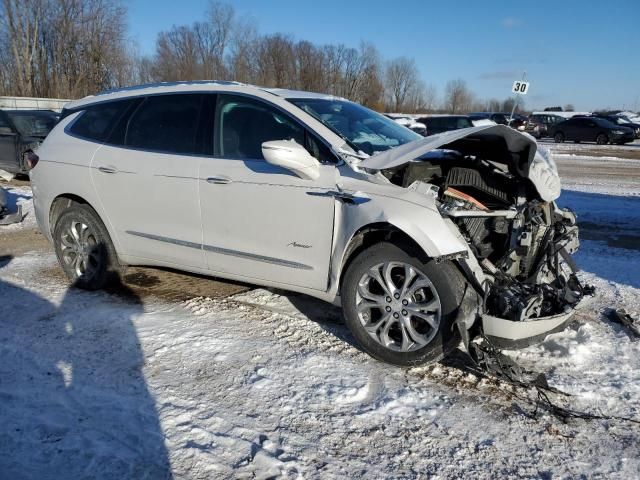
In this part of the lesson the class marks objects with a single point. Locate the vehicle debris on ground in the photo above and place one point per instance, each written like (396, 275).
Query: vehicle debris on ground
(8, 217)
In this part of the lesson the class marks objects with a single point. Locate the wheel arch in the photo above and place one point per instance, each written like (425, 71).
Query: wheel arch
(60, 204)
(65, 200)
(371, 234)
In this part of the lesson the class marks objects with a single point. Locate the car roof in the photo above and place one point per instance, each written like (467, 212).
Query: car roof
(442, 115)
(189, 86)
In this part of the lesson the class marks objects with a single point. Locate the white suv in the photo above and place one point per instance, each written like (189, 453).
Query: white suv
(423, 241)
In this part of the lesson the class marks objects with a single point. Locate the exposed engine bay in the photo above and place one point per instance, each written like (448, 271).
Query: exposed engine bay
(522, 243)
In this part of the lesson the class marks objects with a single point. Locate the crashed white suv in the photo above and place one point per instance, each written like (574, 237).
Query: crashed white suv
(422, 241)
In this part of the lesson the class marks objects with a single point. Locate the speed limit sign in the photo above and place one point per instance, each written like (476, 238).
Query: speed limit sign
(520, 87)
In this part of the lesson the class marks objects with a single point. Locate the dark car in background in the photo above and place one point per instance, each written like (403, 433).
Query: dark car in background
(538, 124)
(621, 121)
(591, 129)
(499, 118)
(21, 131)
(445, 123)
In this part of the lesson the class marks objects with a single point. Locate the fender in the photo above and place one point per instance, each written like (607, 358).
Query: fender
(409, 212)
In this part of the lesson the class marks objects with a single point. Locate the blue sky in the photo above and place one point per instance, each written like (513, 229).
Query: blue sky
(579, 52)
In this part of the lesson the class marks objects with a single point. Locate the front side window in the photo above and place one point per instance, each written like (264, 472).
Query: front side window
(361, 128)
(243, 124)
(167, 123)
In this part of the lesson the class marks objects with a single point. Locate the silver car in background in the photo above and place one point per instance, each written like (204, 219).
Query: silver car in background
(422, 241)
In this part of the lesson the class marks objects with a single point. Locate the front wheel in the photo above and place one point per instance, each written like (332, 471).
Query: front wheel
(558, 137)
(401, 309)
(84, 249)
(602, 139)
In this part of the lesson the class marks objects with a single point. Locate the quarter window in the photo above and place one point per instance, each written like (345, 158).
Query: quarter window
(97, 121)
(167, 123)
(243, 124)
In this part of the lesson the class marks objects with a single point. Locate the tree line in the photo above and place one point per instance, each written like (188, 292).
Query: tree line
(73, 48)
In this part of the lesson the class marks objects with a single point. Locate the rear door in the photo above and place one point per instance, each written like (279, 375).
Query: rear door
(147, 178)
(262, 221)
(591, 130)
(572, 129)
(8, 145)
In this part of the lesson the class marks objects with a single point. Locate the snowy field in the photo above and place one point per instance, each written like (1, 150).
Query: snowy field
(264, 384)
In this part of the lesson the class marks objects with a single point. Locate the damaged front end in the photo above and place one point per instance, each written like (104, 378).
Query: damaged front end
(499, 193)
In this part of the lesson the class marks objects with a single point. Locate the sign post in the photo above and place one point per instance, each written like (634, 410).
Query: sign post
(519, 87)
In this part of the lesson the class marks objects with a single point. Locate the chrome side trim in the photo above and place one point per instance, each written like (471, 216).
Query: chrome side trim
(259, 258)
(174, 241)
(223, 251)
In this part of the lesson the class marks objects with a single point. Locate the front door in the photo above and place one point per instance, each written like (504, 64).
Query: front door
(262, 221)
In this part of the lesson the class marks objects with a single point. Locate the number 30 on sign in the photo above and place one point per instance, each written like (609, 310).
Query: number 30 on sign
(520, 87)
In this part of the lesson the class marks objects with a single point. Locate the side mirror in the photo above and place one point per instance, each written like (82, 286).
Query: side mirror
(292, 156)
(6, 131)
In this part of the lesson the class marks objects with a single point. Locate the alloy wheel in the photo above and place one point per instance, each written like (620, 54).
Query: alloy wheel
(80, 249)
(398, 306)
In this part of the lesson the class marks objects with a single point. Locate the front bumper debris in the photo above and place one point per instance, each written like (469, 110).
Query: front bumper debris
(511, 334)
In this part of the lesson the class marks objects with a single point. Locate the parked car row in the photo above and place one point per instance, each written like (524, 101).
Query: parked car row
(601, 128)
(591, 129)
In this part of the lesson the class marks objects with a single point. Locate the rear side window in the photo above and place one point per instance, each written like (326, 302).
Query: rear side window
(463, 123)
(96, 122)
(167, 123)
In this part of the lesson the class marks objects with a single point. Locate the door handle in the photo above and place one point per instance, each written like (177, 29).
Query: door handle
(218, 180)
(108, 169)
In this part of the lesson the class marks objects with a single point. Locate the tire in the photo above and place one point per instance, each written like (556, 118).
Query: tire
(602, 139)
(84, 249)
(447, 286)
(558, 137)
(576, 141)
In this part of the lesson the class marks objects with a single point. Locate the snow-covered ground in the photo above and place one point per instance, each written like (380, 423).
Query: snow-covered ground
(265, 384)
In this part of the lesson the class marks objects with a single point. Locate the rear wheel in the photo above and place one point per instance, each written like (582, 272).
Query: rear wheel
(602, 139)
(401, 309)
(84, 248)
(558, 137)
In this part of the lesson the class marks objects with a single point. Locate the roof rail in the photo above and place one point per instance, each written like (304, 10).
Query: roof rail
(169, 84)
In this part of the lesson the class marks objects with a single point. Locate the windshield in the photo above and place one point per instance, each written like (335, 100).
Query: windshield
(33, 124)
(363, 129)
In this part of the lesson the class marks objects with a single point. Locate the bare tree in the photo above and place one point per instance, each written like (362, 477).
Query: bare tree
(569, 107)
(309, 61)
(458, 98)
(243, 45)
(402, 82)
(430, 99)
(64, 48)
(493, 105)
(21, 22)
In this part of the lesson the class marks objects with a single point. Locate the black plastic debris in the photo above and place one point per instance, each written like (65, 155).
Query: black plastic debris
(631, 323)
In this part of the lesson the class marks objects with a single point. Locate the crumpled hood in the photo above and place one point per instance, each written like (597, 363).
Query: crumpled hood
(539, 168)
(516, 142)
